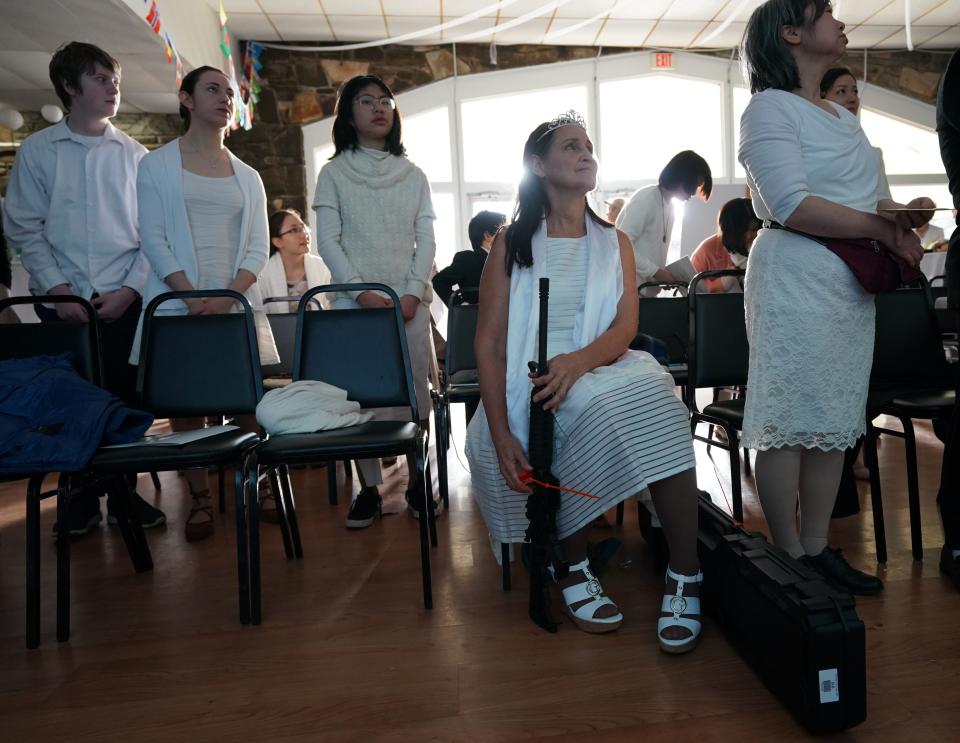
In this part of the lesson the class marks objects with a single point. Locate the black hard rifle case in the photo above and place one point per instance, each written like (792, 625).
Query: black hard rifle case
(801, 635)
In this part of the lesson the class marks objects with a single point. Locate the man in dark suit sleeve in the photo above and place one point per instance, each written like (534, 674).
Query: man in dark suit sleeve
(467, 267)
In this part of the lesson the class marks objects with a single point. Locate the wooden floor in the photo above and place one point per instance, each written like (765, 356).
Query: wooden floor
(346, 651)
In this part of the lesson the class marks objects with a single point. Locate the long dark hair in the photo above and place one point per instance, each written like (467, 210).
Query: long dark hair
(532, 203)
(275, 223)
(188, 85)
(344, 133)
(766, 57)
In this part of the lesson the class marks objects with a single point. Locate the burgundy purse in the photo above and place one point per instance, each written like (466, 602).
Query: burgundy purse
(877, 269)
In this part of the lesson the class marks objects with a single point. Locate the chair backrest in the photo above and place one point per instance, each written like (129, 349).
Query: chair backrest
(908, 347)
(80, 340)
(198, 365)
(461, 331)
(667, 318)
(363, 351)
(719, 352)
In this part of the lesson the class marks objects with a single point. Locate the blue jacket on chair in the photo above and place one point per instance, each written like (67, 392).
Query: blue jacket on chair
(53, 420)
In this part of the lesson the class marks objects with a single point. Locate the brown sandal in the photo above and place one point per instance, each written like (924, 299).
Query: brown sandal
(197, 530)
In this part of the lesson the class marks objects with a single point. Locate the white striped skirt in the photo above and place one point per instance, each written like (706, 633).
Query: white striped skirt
(632, 431)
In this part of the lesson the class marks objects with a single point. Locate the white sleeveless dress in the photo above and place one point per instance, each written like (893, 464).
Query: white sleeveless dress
(628, 428)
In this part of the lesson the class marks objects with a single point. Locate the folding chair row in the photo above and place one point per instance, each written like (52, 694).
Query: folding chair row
(195, 366)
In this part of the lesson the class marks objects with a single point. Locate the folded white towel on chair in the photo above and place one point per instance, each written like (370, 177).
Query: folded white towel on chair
(308, 406)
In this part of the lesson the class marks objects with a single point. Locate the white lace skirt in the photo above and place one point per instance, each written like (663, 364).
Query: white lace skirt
(811, 327)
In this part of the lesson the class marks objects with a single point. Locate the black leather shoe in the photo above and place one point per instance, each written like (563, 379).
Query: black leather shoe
(831, 565)
(950, 565)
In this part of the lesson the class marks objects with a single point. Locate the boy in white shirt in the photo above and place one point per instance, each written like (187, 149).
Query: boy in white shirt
(71, 209)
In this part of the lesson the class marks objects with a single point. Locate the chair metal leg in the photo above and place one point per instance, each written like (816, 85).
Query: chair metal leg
(332, 481)
(425, 552)
(221, 490)
(876, 498)
(245, 492)
(281, 501)
(155, 479)
(620, 513)
(913, 488)
(505, 564)
(441, 412)
(286, 485)
(63, 558)
(428, 492)
(120, 493)
(33, 561)
(734, 449)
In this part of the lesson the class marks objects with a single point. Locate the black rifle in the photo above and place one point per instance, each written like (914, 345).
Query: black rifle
(543, 503)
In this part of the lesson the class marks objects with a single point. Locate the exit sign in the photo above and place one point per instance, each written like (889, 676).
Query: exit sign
(662, 60)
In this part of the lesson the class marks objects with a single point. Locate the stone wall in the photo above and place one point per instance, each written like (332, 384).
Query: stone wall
(151, 130)
(300, 88)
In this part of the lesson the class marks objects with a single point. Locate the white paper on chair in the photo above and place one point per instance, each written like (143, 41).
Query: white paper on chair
(176, 438)
(683, 269)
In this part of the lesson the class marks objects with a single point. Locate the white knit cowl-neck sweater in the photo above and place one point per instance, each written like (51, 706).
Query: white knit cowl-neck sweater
(375, 221)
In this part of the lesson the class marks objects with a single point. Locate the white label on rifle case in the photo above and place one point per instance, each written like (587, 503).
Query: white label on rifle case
(829, 688)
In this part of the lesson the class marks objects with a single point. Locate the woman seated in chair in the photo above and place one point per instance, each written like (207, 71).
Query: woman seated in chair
(619, 428)
(738, 228)
(292, 268)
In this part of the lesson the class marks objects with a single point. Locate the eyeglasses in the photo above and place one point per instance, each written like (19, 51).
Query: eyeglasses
(385, 101)
(298, 230)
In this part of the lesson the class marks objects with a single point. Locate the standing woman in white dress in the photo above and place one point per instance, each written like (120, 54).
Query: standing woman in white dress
(619, 427)
(203, 225)
(810, 324)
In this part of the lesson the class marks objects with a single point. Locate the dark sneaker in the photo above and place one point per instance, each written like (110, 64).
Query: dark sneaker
(82, 516)
(147, 515)
(950, 565)
(414, 500)
(831, 565)
(365, 509)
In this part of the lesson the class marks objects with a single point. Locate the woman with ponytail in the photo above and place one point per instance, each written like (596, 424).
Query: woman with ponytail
(619, 427)
(203, 225)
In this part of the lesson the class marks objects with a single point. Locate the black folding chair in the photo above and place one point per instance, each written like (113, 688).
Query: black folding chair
(82, 342)
(719, 357)
(363, 351)
(198, 366)
(667, 318)
(910, 379)
(459, 380)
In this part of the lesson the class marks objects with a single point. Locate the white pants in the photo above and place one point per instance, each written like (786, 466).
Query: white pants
(419, 349)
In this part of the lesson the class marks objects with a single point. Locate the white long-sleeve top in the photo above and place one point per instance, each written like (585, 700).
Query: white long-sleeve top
(375, 221)
(647, 219)
(71, 210)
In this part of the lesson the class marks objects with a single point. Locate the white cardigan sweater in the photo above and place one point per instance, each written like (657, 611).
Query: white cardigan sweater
(273, 280)
(167, 241)
(375, 221)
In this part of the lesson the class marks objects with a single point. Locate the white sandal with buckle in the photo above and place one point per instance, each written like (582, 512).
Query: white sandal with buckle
(682, 610)
(590, 591)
